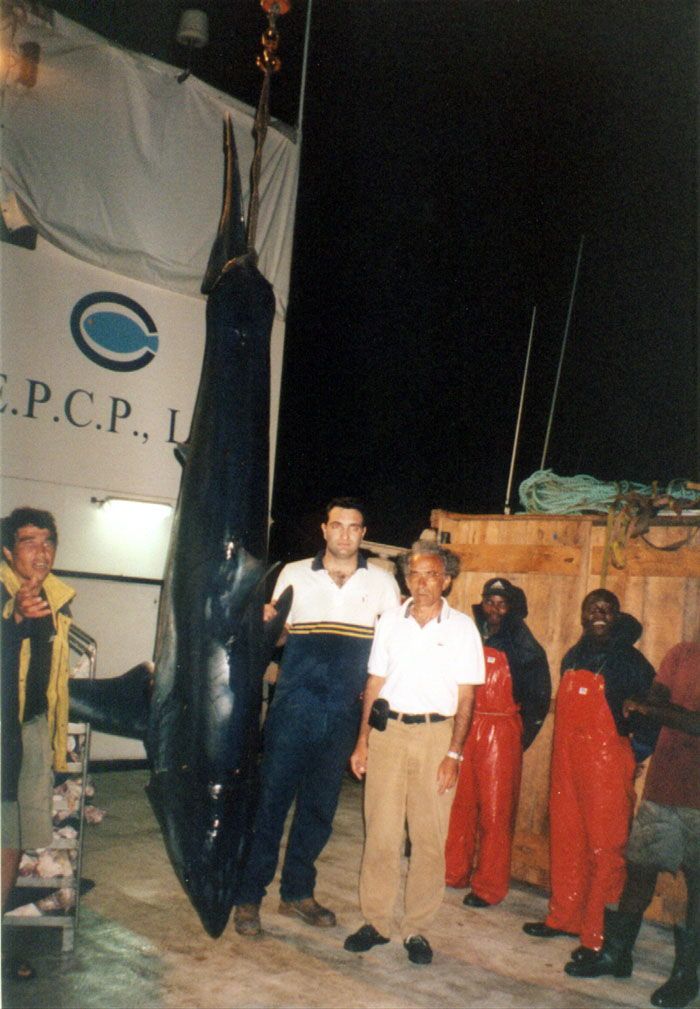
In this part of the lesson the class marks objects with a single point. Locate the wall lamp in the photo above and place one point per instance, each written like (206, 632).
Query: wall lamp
(133, 509)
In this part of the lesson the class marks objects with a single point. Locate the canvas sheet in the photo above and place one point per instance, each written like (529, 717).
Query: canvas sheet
(118, 164)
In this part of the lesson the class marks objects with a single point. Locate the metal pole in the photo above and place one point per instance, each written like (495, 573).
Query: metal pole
(561, 356)
(302, 92)
(506, 508)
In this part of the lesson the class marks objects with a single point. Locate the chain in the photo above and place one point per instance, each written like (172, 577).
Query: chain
(269, 62)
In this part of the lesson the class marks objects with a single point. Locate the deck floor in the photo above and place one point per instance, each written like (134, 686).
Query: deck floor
(141, 943)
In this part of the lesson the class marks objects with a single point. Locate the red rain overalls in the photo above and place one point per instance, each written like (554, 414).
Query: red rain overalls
(486, 799)
(591, 801)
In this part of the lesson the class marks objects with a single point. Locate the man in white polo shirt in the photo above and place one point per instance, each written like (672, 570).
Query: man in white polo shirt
(425, 662)
(312, 723)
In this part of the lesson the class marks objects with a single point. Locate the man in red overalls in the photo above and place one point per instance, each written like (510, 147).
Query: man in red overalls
(508, 713)
(593, 762)
(666, 832)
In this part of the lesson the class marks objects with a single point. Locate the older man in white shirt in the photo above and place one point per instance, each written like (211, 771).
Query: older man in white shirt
(425, 662)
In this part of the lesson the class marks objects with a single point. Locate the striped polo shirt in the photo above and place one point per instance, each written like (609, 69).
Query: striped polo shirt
(330, 630)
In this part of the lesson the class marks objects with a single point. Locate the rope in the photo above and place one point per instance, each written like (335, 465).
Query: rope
(607, 549)
(630, 508)
(546, 493)
(262, 118)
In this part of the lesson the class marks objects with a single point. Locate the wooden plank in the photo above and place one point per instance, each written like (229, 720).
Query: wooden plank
(509, 558)
(641, 559)
(530, 858)
(439, 516)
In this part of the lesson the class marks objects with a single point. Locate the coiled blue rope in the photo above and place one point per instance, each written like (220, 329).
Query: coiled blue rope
(545, 492)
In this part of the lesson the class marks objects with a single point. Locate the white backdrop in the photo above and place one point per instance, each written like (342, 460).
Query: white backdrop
(116, 163)
(71, 429)
(120, 170)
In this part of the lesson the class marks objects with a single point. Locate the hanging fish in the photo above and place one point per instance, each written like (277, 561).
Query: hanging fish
(212, 646)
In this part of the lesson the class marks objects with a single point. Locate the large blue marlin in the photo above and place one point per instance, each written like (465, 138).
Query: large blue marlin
(212, 646)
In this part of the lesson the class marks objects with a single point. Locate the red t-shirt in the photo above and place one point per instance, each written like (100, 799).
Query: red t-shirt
(673, 778)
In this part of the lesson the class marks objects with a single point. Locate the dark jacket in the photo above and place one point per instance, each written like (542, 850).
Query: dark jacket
(529, 669)
(17, 640)
(626, 671)
(11, 725)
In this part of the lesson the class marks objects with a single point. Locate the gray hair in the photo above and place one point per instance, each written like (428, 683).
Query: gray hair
(429, 548)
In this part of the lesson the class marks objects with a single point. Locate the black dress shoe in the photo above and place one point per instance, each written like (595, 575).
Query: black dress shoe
(473, 900)
(418, 949)
(592, 963)
(541, 930)
(584, 954)
(362, 940)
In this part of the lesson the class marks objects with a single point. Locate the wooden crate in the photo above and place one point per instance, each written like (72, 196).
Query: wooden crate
(557, 559)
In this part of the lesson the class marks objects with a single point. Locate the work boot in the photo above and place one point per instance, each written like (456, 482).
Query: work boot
(682, 986)
(621, 931)
(309, 910)
(246, 919)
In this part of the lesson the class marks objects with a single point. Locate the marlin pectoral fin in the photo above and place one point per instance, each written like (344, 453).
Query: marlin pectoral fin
(274, 628)
(118, 705)
(228, 607)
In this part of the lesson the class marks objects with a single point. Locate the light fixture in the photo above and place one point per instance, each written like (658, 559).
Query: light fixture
(193, 33)
(133, 509)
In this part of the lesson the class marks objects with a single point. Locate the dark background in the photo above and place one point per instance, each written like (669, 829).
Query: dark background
(454, 153)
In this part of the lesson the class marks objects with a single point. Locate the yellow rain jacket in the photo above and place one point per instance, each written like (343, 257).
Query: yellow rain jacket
(58, 595)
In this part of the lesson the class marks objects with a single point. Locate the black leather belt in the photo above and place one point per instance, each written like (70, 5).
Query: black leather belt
(415, 719)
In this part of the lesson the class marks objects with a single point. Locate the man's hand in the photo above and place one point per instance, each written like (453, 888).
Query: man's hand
(29, 603)
(634, 704)
(658, 695)
(358, 760)
(447, 775)
(269, 613)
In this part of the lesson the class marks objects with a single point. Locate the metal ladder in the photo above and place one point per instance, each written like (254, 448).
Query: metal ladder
(81, 645)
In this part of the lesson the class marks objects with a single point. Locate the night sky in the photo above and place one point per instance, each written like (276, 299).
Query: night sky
(454, 152)
(453, 155)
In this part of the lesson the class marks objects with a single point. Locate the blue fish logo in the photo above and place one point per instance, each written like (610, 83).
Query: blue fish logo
(114, 331)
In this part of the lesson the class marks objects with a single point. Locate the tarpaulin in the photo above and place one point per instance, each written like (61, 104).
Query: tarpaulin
(118, 164)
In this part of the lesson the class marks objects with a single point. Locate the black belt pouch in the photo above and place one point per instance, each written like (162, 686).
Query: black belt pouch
(379, 714)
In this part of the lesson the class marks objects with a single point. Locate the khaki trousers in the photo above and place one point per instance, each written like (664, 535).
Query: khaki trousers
(28, 821)
(401, 785)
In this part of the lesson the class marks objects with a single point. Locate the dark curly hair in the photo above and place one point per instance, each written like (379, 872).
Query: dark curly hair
(26, 516)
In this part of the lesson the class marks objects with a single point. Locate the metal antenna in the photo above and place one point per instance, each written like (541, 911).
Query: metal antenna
(305, 62)
(561, 355)
(516, 436)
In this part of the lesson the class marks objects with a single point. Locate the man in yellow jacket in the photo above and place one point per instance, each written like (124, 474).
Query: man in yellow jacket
(35, 624)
